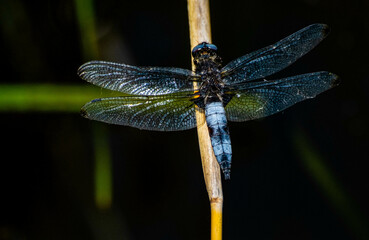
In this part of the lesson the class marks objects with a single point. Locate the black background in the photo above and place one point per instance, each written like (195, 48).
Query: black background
(46, 171)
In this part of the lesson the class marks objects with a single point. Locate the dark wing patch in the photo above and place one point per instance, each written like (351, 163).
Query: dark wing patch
(259, 99)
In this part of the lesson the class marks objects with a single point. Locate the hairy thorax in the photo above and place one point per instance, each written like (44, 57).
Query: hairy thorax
(208, 65)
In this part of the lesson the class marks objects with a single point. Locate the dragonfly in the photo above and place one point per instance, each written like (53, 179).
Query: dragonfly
(166, 99)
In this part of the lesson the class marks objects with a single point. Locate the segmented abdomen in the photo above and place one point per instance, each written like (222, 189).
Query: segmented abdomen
(219, 135)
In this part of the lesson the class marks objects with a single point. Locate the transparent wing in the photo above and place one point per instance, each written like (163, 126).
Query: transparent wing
(137, 80)
(275, 57)
(263, 98)
(171, 112)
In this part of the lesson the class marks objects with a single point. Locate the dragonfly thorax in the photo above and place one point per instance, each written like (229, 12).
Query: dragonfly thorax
(208, 65)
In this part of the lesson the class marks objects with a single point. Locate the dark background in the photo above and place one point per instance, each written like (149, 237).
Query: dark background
(47, 160)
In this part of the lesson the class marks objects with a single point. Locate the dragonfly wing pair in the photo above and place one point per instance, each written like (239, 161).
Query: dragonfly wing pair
(257, 97)
(157, 98)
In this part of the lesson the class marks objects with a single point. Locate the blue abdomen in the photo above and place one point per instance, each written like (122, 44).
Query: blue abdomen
(219, 135)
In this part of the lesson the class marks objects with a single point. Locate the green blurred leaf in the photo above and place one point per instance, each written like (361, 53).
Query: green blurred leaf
(48, 97)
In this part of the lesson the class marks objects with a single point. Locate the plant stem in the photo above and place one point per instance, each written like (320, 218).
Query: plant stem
(199, 21)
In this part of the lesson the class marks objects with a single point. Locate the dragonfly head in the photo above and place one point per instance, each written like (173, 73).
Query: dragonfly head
(206, 51)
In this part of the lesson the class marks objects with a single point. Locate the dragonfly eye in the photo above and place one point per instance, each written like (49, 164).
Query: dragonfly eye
(203, 45)
(211, 46)
(198, 48)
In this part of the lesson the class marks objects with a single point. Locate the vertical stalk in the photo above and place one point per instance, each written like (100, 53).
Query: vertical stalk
(103, 170)
(199, 21)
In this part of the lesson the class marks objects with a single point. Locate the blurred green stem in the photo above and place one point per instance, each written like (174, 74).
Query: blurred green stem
(103, 168)
(47, 97)
(86, 22)
(103, 171)
(315, 166)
